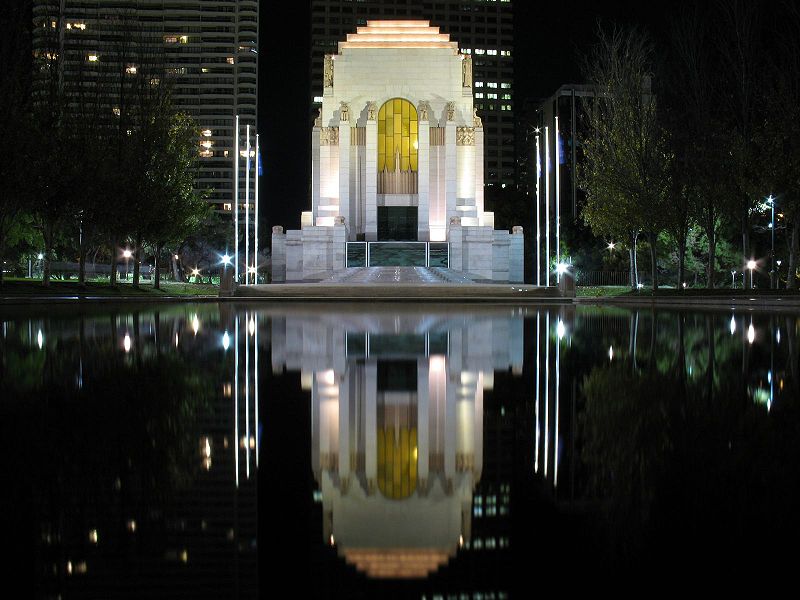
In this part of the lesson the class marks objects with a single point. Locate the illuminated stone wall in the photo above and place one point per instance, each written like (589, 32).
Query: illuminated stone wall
(411, 68)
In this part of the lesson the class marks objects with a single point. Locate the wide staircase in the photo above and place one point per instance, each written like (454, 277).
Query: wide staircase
(391, 275)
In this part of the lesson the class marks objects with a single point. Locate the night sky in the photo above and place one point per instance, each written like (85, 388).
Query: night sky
(548, 43)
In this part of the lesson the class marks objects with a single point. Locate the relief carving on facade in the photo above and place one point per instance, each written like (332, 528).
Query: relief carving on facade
(344, 112)
(476, 120)
(465, 136)
(424, 108)
(318, 119)
(372, 111)
(466, 70)
(329, 136)
(451, 111)
(327, 76)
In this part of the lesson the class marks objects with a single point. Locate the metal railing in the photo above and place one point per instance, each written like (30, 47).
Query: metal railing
(397, 254)
(588, 278)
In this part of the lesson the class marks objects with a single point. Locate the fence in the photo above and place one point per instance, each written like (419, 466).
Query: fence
(589, 278)
(398, 254)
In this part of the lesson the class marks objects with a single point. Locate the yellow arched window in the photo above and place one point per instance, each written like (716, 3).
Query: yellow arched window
(397, 135)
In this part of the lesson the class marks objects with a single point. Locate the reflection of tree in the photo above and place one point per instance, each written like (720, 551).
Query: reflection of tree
(95, 452)
(626, 440)
(682, 457)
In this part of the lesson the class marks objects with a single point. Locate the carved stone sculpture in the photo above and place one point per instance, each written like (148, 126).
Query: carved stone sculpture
(344, 112)
(318, 120)
(327, 76)
(465, 136)
(476, 120)
(372, 111)
(451, 111)
(455, 220)
(466, 71)
(423, 110)
(329, 136)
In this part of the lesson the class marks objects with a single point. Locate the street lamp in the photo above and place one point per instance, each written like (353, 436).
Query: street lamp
(127, 255)
(778, 275)
(751, 264)
(733, 279)
(771, 203)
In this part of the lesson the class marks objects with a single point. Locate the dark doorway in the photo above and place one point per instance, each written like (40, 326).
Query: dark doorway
(397, 223)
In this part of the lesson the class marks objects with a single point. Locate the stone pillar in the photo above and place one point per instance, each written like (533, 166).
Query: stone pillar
(278, 254)
(516, 256)
(371, 183)
(455, 238)
(315, 173)
(450, 175)
(344, 169)
(479, 172)
(423, 180)
(339, 250)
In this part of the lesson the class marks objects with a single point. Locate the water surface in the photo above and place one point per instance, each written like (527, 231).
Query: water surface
(212, 451)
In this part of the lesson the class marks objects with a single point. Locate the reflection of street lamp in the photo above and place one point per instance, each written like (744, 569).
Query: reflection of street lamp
(751, 264)
(127, 255)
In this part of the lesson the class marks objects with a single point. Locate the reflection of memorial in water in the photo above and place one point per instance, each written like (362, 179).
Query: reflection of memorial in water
(397, 426)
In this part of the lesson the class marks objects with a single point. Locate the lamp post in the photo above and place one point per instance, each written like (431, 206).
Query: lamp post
(751, 264)
(126, 255)
(733, 279)
(771, 202)
(778, 275)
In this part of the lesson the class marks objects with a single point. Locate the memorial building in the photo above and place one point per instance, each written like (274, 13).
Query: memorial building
(397, 164)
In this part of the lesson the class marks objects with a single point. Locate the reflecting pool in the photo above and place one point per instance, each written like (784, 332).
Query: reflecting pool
(411, 451)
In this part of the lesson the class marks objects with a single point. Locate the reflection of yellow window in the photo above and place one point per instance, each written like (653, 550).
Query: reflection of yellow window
(397, 135)
(397, 462)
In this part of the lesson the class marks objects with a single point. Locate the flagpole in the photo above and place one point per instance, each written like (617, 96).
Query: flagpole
(247, 211)
(255, 233)
(235, 204)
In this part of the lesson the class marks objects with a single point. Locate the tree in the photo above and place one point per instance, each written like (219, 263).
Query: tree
(181, 210)
(14, 98)
(778, 140)
(626, 175)
(740, 37)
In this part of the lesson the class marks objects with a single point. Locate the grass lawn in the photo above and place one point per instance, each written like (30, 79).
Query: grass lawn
(30, 287)
(607, 291)
(601, 291)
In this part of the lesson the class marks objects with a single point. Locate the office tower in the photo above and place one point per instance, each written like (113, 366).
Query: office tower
(206, 49)
(482, 28)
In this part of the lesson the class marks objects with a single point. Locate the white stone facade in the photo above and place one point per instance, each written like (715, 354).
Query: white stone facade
(384, 61)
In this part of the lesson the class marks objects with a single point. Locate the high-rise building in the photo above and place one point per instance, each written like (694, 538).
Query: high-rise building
(207, 48)
(482, 28)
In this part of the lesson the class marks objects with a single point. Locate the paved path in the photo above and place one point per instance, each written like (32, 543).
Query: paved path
(394, 275)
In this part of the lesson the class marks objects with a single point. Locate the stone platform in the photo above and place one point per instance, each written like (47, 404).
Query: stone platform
(408, 284)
